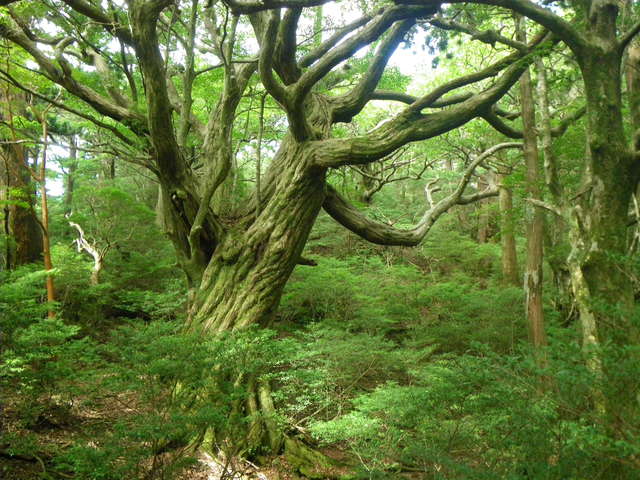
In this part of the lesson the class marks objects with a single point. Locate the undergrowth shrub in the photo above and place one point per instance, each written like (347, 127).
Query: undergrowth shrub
(458, 312)
(172, 392)
(157, 294)
(449, 250)
(41, 358)
(484, 415)
(136, 399)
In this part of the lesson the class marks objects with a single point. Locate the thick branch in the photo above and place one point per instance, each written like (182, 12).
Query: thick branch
(628, 36)
(569, 120)
(178, 104)
(144, 17)
(266, 61)
(106, 76)
(507, 130)
(309, 262)
(549, 20)
(376, 232)
(62, 77)
(410, 126)
(317, 53)
(409, 99)
(490, 37)
(62, 106)
(353, 102)
(498, 124)
(286, 46)
(187, 118)
(488, 72)
(240, 6)
(393, 96)
(101, 18)
(347, 49)
(540, 203)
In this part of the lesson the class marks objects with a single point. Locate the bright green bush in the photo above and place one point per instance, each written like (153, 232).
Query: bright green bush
(483, 415)
(40, 357)
(173, 391)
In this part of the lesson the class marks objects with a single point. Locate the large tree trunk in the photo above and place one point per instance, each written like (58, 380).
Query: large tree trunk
(244, 279)
(21, 222)
(601, 219)
(598, 233)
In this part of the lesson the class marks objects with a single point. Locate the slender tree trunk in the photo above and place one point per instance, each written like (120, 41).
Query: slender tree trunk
(366, 184)
(318, 22)
(555, 232)
(8, 251)
(46, 243)
(534, 216)
(632, 76)
(483, 214)
(263, 98)
(96, 271)
(70, 183)
(507, 237)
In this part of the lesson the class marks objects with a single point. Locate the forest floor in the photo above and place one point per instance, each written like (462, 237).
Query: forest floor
(59, 427)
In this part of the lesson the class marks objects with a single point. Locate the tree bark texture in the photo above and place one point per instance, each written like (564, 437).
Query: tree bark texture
(534, 215)
(483, 214)
(507, 237)
(21, 219)
(244, 280)
(44, 206)
(21, 222)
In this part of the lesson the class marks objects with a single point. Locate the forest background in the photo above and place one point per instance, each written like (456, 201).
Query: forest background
(328, 239)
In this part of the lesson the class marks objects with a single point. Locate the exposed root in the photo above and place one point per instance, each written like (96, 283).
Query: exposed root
(311, 463)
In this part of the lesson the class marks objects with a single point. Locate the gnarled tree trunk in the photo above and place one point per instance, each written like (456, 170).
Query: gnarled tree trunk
(599, 222)
(245, 277)
(237, 261)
